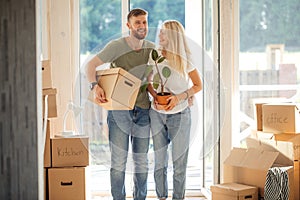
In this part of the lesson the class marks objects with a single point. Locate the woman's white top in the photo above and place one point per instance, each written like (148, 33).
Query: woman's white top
(176, 84)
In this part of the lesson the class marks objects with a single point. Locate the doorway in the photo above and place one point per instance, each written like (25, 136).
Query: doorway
(199, 22)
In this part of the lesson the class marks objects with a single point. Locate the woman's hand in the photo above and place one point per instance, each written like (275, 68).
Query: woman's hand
(173, 101)
(191, 101)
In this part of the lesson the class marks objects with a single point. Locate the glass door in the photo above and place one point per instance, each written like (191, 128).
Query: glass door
(101, 21)
(211, 114)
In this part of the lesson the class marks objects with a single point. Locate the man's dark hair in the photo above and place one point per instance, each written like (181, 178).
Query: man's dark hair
(136, 12)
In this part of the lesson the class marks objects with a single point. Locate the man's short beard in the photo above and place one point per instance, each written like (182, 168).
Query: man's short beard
(138, 36)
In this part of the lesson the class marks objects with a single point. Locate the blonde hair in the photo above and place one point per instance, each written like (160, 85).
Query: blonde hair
(177, 51)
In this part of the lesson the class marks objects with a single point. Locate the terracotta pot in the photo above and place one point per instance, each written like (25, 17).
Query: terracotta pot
(162, 98)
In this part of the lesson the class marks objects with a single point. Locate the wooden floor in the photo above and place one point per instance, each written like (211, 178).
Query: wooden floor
(151, 196)
(97, 188)
(188, 198)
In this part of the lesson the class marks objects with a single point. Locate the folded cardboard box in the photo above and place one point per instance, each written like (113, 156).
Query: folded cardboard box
(51, 102)
(121, 88)
(250, 167)
(67, 183)
(70, 151)
(281, 118)
(234, 191)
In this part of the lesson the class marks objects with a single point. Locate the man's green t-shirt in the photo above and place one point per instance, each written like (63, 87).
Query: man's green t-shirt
(119, 54)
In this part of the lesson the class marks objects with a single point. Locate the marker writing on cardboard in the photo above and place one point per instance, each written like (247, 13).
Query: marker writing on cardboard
(274, 119)
(64, 152)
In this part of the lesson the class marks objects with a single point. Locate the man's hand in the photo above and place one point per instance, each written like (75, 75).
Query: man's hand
(99, 94)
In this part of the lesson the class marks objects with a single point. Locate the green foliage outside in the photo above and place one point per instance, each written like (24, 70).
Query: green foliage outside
(100, 20)
(265, 22)
(262, 22)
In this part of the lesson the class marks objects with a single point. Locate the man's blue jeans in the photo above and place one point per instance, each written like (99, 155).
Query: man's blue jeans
(125, 126)
(171, 129)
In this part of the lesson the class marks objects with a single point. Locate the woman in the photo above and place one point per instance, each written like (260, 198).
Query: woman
(171, 124)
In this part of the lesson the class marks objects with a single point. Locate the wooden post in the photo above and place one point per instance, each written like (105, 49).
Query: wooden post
(19, 106)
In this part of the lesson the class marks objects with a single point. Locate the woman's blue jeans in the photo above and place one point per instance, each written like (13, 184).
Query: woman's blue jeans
(125, 126)
(173, 129)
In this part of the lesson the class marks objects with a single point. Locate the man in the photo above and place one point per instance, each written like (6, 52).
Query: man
(130, 53)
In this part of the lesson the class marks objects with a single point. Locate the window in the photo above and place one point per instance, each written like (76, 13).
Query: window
(269, 56)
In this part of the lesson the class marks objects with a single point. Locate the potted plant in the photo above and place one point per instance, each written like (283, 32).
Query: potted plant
(158, 80)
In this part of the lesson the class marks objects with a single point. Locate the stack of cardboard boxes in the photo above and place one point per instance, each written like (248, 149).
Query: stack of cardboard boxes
(278, 126)
(65, 158)
(66, 177)
(275, 143)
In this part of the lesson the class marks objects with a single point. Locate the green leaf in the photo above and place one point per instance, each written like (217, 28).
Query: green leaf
(156, 81)
(166, 72)
(155, 85)
(144, 87)
(161, 59)
(156, 78)
(154, 55)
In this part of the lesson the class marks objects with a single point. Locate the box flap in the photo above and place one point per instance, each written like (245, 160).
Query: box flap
(107, 71)
(294, 138)
(287, 104)
(120, 71)
(281, 159)
(251, 158)
(281, 104)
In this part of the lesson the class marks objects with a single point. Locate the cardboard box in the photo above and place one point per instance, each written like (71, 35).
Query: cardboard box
(268, 142)
(234, 191)
(297, 179)
(52, 106)
(121, 88)
(70, 151)
(258, 102)
(46, 74)
(294, 139)
(45, 184)
(281, 118)
(258, 116)
(47, 147)
(250, 167)
(67, 183)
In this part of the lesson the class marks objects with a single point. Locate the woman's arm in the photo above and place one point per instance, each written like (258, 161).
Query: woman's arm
(197, 86)
(197, 83)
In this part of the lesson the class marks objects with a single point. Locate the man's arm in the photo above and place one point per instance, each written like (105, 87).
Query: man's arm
(90, 68)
